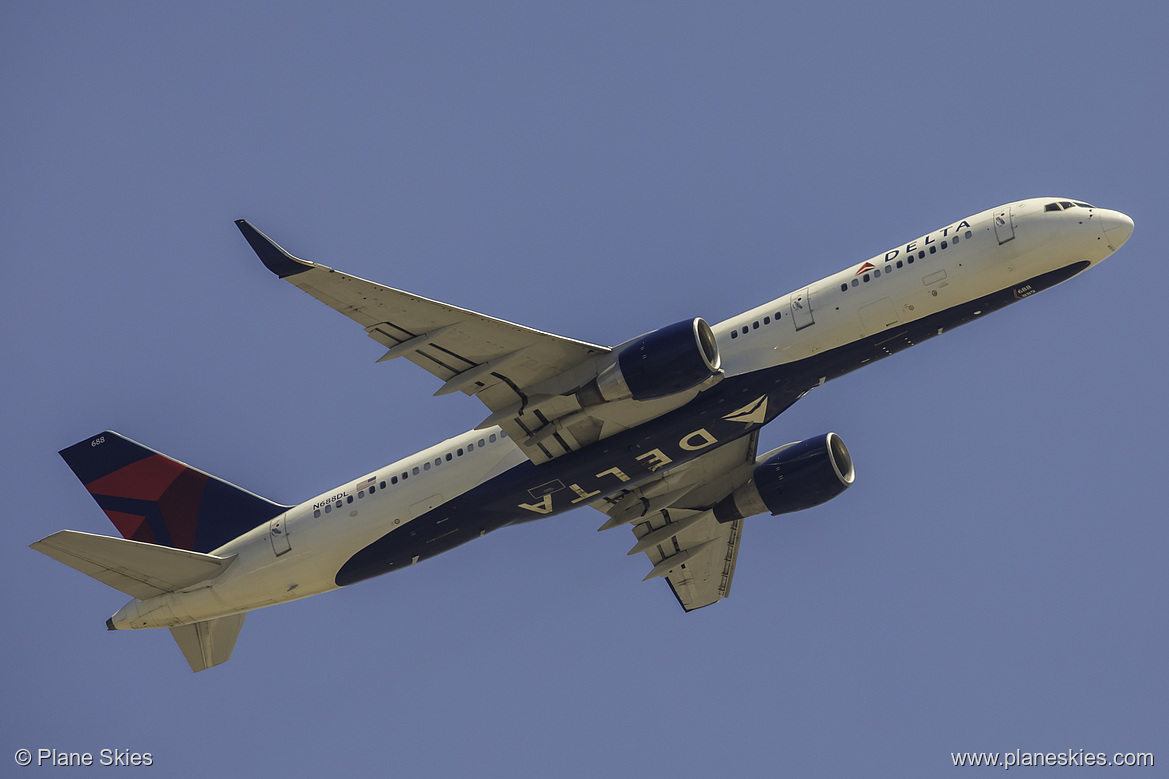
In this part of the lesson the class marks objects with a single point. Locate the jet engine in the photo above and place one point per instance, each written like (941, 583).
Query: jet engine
(796, 477)
(667, 361)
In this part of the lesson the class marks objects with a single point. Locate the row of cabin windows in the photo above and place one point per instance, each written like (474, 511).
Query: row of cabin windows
(426, 466)
(755, 325)
(876, 273)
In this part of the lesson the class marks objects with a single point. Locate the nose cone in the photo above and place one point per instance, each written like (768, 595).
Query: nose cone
(1117, 227)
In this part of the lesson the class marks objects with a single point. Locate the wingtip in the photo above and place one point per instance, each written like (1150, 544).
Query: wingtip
(274, 257)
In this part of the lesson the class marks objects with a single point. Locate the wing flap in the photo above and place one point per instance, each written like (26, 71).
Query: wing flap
(705, 576)
(677, 531)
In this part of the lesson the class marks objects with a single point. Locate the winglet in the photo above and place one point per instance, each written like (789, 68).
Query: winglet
(270, 253)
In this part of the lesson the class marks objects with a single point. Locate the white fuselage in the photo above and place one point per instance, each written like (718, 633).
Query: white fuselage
(299, 553)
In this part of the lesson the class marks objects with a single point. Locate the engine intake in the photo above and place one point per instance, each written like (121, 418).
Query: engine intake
(667, 361)
(798, 476)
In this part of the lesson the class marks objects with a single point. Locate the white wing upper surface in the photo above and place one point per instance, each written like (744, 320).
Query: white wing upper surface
(470, 352)
(525, 377)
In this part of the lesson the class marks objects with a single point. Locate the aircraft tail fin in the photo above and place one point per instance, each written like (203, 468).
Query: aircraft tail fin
(138, 569)
(208, 643)
(156, 499)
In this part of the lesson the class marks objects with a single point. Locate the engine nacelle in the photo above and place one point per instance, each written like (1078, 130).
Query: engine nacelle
(667, 361)
(797, 477)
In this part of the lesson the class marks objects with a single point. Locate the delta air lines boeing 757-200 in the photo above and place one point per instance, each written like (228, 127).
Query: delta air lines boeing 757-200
(659, 433)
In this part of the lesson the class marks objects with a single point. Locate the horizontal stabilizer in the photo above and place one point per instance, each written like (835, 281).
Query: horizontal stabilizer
(140, 570)
(208, 643)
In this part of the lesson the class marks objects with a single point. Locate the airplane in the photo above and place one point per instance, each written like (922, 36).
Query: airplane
(660, 433)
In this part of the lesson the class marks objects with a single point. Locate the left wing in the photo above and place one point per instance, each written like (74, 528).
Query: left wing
(674, 524)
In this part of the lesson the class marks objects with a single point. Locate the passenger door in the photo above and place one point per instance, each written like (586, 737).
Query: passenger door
(800, 304)
(278, 534)
(1004, 225)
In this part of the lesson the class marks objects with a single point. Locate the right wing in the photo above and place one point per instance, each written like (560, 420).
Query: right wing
(442, 339)
(525, 377)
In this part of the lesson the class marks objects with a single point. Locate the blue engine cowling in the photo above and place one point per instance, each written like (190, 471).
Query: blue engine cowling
(667, 361)
(798, 476)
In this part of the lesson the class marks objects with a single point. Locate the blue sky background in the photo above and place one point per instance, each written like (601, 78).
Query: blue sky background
(995, 580)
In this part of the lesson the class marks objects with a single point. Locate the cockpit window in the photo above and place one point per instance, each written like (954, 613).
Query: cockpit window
(1066, 204)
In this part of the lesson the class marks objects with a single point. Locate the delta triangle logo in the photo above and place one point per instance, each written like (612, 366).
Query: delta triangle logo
(866, 267)
(754, 413)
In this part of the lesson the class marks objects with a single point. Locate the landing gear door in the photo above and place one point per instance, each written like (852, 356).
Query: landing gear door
(278, 533)
(1004, 225)
(801, 308)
